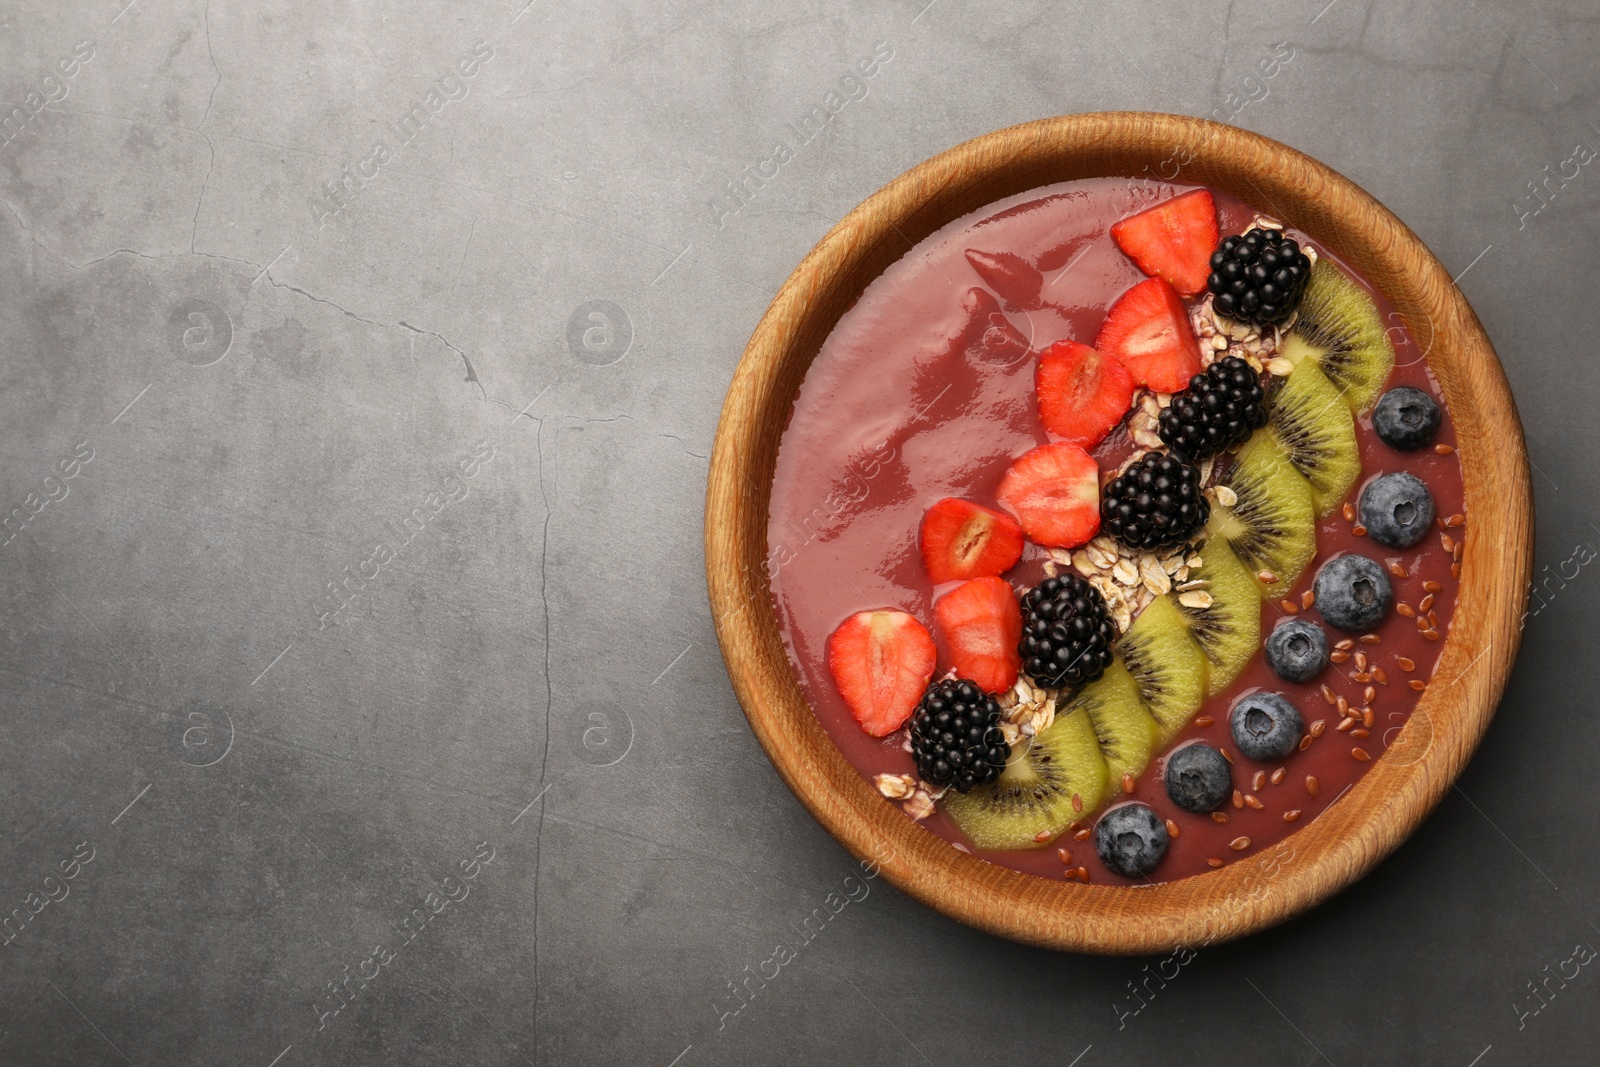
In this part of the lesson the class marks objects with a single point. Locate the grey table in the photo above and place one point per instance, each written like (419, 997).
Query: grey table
(360, 698)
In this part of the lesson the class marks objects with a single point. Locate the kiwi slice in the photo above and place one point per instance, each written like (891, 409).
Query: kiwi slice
(1271, 525)
(1031, 802)
(1228, 630)
(1125, 730)
(1316, 431)
(1338, 326)
(1166, 664)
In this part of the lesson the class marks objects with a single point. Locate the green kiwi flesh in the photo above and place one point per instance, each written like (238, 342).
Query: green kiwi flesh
(1032, 800)
(1338, 326)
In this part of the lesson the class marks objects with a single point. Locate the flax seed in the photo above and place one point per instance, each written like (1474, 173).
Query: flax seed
(1213, 862)
(1455, 520)
(1380, 675)
(1425, 604)
(1433, 620)
(1448, 542)
(1343, 705)
(1359, 530)
(1267, 577)
(1082, 874)
(1422, 622)
(1127, 782)
(1345, 724)
(1317, 730)
(1406, 663)
(1398, 569)
(1431, 635)
(1066, 856)
(1360, 732)
(1077, 802)
(1431, 587)
(1042, 836)
(1082, 835)
(1226, 754)
(1442, 449)
(1173, 829)
(1455, 571)
(1406, 609)
(1362, 676)
(1258, 780)
(1253, 801)
(1368, 694)
(1338, 657)
(1308, 598)
(1204, 720)
(1289, 607)
(1312, 785)
(1361, 754)
(1349, 512)
(1369, 639)
(1327, 694)
(1277, 775)
(1361, 661)
(1344, 644)
(1305, 742)
(1455, 553)
(1239, 844)
(1238, 799)
(1219, 817)
(1418, 684)
(1291, 815)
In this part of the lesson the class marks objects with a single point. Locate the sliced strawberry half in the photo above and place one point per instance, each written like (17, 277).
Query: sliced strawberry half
(982, 625)
(881, 662)
(1054, 491)
(1173, 240)
(1148, 330)
(962, 540)
(1082, 393)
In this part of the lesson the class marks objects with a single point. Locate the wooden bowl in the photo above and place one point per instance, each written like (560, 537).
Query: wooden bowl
(1402, 785)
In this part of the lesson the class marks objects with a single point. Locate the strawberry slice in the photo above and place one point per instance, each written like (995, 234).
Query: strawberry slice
(1148, 330)
(962, 540)
(1054, 491)
(881, 663)
(1082, 393)
(1173, 240)
(982, 624)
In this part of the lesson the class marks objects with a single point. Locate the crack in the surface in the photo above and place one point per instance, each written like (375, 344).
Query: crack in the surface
(549, 703)
(471, 371)
(216, 69)
(472, 374)
(194, 229)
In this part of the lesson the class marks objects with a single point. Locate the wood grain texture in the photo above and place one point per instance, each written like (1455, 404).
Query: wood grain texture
(1402, 786)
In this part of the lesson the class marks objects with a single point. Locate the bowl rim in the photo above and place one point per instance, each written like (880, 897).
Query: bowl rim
(1403, 784)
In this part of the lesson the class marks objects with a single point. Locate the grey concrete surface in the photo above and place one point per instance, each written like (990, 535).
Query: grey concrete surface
(359, 702)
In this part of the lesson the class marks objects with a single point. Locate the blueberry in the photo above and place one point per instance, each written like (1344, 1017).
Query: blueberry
(1297, 650)
(1397, 510)
(1406, 418)
(1198, 778)
(1353, 592)
(1266, 726)
(1130, 840)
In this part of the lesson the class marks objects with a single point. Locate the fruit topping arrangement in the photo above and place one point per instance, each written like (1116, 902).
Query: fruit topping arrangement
(1218, 420)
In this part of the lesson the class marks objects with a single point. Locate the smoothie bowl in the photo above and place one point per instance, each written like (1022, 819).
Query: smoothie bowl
(1118, 531)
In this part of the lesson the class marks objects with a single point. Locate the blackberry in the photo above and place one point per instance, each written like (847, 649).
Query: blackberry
(956, 738)
(1066, 632)
(1223, 405)
(1258, 278)
(1155, 503)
